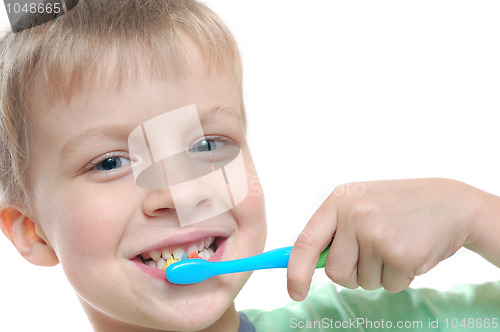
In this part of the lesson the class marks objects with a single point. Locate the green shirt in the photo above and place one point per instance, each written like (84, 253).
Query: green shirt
(463, 308)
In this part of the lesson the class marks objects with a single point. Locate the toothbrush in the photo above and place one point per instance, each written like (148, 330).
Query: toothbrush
(192, 271)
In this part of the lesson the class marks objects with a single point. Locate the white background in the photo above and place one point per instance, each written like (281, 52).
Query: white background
(335, 92)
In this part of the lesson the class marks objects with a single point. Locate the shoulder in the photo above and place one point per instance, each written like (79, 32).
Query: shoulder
(359, 310)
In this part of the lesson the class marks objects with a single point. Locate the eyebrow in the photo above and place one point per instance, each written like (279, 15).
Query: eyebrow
(218, 111)
(98, 133)
(122, 132)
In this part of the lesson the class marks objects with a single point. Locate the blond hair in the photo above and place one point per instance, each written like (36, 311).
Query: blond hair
(67, 54)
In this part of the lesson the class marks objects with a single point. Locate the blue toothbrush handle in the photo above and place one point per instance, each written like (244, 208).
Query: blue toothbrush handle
(277, 258)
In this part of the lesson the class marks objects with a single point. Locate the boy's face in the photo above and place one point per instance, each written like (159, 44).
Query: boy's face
(98, 220)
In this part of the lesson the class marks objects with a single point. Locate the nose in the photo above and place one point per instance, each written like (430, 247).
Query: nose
(181, 197)
(158, 203)
(191, 201)
(158, 200)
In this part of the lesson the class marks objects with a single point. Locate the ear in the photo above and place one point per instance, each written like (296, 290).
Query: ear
(21, 231)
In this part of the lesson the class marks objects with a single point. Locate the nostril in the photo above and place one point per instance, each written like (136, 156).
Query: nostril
(164, 212)
(203, 203)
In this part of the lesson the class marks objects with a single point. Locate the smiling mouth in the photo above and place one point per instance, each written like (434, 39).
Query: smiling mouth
(164, 257)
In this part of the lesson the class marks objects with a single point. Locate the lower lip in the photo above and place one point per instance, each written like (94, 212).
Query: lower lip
(160, 274)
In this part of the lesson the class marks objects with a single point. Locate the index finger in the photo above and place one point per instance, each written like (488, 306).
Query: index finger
(314, 238)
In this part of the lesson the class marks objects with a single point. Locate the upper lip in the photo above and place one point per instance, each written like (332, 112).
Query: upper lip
(181, 239)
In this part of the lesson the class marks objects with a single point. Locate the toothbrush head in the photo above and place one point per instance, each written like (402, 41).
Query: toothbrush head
(189, 271)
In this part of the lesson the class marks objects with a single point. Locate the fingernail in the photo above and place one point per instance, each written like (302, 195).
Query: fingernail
(296, 296)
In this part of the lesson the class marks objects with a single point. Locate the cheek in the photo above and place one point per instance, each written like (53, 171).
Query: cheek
(250, 213)
(85, 223)
(87, 227)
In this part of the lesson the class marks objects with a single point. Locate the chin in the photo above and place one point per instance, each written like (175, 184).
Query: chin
(196, 307)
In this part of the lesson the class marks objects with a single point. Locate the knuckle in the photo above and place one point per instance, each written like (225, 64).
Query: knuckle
(425, 266)
(363, 212)
(305, 240)
(371, 229)
(374, 235)
(339, 276)
(398, 255)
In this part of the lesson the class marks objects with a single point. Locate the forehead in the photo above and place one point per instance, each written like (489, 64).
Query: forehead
(116, 77)
(82, 73)
(136, 99)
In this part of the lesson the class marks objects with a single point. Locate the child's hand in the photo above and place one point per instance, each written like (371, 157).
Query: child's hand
(384, 233)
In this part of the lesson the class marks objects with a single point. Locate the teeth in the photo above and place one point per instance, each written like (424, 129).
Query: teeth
(208, 241)
(178, 253)
(191, 249)
(166, 254)
(206, 253)
(161, 263)
(155, 255)
(203, 254)
(161, 260)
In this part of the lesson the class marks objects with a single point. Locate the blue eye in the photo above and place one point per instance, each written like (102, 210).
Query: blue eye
(206, 145)
(111, 163)
(214, 149)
